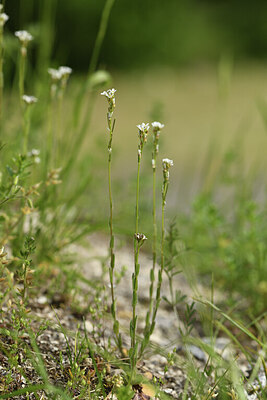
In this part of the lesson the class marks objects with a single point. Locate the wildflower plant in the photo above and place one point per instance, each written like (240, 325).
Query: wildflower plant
(59, 79)
(28, 101)
(157, 127)
(139, 239)
(110, 96)
(24, 38)
(149, 328)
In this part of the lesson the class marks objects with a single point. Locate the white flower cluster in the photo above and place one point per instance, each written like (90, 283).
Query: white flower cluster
(34, 153)
(29, 99)
(3, 17)
(143, 128)
(143, 131)
(60, 73)
(110, 93)
(167, 163)
(141, 238)
(157, 126)
(24, 37)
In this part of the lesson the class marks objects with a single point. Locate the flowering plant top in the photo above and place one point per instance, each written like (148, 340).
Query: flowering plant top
(110, 93)
(157, 125)
(24, 37)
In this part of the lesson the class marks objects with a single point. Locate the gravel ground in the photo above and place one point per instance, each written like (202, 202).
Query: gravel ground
(53, 347)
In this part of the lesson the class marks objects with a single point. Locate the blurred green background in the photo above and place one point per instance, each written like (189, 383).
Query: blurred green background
(150, 32)
(198, 66)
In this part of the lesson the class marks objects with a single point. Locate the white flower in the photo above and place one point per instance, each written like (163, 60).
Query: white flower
(54, 73)
(61, 72)
(65, 71)
(3, 19)
(144, 128)
(109, 93)
(29, 99)
(140, 237)
(167, 163)
(24, 37)
(34, 152)
(157, 125)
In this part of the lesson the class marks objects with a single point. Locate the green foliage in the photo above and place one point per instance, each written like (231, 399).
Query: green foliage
(180, 33)
(232, 242)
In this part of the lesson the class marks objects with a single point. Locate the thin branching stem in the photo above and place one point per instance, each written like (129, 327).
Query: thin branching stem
(27, 121)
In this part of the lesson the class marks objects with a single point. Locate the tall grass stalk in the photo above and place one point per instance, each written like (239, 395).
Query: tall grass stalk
(90, 100)
(3, 19)
(47, 14)
(81, 98)
(110, 95)
(94, 59)
(139, 239)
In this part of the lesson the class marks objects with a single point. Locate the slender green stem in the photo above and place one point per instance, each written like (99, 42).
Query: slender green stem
(133, 323)
(27, 122)
(111, 245)
(1, 75)
(81, 98)
(22, 67)
(160, 273)
(58, 141)
(165, 188)
(154, 250)
(95, 56)
(137, 197)
(48, 143)
(100, 36)
(152, 271)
